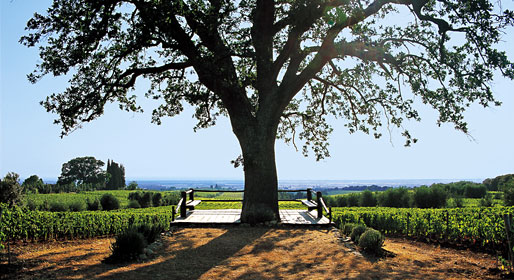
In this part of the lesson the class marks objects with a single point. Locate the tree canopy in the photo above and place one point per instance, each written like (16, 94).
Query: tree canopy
(33, 184)
(278, 69)
(500, 183)
(83, 170)
(11, 192)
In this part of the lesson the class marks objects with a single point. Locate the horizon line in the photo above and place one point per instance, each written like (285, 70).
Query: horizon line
(129, 179)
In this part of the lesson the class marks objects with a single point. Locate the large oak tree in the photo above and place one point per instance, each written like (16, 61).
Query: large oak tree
(83, 170)
(277, 69)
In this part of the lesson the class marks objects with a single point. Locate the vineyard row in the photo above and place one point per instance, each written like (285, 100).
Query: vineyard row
(477, 226)
(22, 224)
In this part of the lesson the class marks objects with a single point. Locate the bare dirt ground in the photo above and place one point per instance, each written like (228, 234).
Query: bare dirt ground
(251, 253)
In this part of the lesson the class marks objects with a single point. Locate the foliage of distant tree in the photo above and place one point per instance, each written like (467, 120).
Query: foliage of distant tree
(475, 191)
(117, 176)
(373, 188)
(352, 199)
(463, 189)
(33, 184)
(83, 170)
(503, 183)
(291, 195)
(508, 197)
(434, 196)
(133, 186)
(278, 69)
(336, 200)
(395, 197)
(11, 192)
(430, 197)
(362, 199)
(367, 199)
(500, 183)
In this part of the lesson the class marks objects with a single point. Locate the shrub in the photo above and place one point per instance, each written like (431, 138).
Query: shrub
(134, 196)
(146, 200)
(58, 207)
(77, 206)
(371, 240)
(133, 204)
(455, 202)
(128, 246)
(157, 199)
(348, 228)
(487, 201)
(356, 232)
(143, 198)
(93, 205)
(45, 206)
(32, 205)
(150, 233)
(109, 202)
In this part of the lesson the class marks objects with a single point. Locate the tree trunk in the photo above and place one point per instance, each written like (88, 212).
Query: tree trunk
(260, 203)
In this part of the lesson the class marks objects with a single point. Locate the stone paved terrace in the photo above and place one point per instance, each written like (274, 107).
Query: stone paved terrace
(232, 216)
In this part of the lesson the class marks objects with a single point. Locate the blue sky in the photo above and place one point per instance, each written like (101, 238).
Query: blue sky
(30, 142)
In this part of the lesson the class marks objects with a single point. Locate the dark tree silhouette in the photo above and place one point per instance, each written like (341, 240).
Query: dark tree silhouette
(83, 170)
(117, 175)
(277, 69)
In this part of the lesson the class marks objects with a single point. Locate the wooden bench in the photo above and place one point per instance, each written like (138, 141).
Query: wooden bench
(311, 204)
(190, 204)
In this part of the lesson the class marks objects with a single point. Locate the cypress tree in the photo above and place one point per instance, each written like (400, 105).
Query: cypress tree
(117, 172)
(109, 171)
(122, 169)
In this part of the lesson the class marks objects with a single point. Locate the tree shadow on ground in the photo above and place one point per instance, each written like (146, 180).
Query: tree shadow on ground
(374, 257)
(256, 253)
(192, 262)
(14, 266)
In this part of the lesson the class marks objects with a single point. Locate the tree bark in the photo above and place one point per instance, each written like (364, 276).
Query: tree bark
(260, 203)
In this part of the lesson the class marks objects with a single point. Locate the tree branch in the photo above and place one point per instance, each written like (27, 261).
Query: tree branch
(136, 72)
